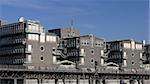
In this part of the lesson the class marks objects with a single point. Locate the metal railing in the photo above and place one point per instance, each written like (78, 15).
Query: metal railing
(60, 69)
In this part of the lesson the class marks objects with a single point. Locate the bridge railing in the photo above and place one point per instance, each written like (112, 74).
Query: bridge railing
(12, 67)
(58, 69)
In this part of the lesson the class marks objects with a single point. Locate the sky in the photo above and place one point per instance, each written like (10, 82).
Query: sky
(109, 19)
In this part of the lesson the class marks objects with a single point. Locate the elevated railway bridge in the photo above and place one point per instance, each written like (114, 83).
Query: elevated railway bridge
(54, 75)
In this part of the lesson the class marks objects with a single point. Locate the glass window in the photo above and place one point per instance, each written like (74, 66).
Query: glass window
(54, 38)
(133, 62)
(29, 58)
(33, 37)
(92, 60)
(51, 38)
(132, 45)
(102, 61)
(47, 38)
(82, 51)
(141, 55)
(138, 46)
(29, 48)
(42, 38)
(41, 58)
(42, 48)
(92, 51)
(124, 54)
(125, 62)
(29, 36)
(102, 52)
(127, 45)
(132, 54)
(82, 61)
(54, 59)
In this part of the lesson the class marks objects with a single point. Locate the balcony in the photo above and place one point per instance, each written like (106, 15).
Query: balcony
(82, 54)
(125, 57)
(104, 56)
(142, 58)
(32, 32)
(28, 52)
(57, 52)
(15, 51)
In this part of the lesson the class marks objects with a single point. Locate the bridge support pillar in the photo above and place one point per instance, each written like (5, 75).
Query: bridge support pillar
(15, 81)
(63, 81)
(90, 81)
(132, 81)
(103, 81)
(140, 81)
(97, 81)
(122, 82)
(24, 81)
(39, 81)
(77, 81)
(56, 81)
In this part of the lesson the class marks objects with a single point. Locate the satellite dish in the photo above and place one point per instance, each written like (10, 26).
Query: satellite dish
(21, 19)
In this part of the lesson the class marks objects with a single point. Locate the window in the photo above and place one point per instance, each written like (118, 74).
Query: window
(29, 36)
(92, 51)
(48, 38)
(82, 51)
(29, 48)
(102, 52)
(85, 42)
(33, 27)
(29, 59)
(42, 38)
(138, 46)
(42, 48)
(51, 38)
(33, 37)
(53, 49)
(92, 60)
(124, 54)
(102, 61)
(133, 62)
(141, 55)
(125, 62)
(127, 45)
(82, 61)
(54, 59)
(98, 43)
(132, 45)
(132, 54)
(42, 58)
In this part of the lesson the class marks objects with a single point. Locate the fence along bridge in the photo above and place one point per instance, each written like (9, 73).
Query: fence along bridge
(22, 75)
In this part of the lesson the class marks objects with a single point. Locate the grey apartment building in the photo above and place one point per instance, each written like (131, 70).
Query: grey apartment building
(82, 50)
(125, 53)
(147, 53)
(26, 43)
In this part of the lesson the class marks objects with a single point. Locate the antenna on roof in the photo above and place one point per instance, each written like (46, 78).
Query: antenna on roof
(71, 26)
(71, 23)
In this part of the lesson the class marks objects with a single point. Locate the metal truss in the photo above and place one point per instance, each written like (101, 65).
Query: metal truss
(32, 74)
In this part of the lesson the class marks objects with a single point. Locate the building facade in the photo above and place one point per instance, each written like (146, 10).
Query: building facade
(92, 51)
(147, 53)
(26, 43)
(125, 53)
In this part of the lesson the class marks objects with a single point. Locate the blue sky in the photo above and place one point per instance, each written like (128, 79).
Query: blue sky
(110, 19)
